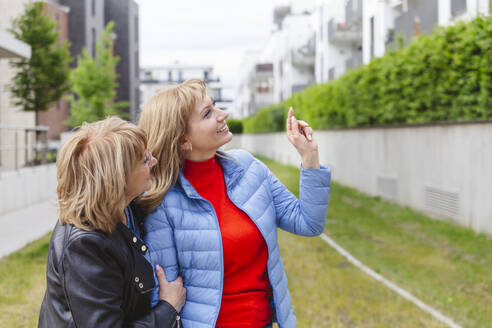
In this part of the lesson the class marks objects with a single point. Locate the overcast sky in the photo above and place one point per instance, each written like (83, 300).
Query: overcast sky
(211, 32)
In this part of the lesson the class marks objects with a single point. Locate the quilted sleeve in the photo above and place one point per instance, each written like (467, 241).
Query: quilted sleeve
(162, 249)
(305, 216)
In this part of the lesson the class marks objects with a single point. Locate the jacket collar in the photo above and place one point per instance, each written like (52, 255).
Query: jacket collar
(233, 171)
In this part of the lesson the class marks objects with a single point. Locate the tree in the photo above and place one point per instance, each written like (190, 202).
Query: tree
(43, 78)
(94, 84)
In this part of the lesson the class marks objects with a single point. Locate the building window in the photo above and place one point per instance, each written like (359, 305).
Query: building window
(170, 76)
(93, 7)
(331, 74)
(458, 7)
(137, 69)
(93, 35)
(57, 19)
(371, 30)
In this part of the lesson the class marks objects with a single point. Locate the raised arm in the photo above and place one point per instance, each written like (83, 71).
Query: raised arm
(300, 135)
(307, 215)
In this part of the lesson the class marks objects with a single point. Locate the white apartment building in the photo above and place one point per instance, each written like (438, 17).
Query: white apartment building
(155, 79)
(283, 67)
(338, 38)
(385, 20)
(294, 59)
(255, 89)
(13, 121)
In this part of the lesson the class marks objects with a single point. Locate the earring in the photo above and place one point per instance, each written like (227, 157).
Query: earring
(191, 147)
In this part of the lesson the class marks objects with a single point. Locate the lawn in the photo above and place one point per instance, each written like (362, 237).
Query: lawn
(446, 266)
(22, 284)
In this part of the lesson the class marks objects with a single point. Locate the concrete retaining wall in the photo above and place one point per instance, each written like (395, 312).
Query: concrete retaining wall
(442, 170)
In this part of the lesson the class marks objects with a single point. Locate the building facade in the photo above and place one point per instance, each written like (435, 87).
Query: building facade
(54, 118)
(85, 24)
(338, 38)
(124, 14)
(385, 21)
(158, 78)
(13, 121)
(286, 64)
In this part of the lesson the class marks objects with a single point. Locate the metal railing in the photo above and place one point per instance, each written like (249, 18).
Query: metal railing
(342, 33)
(22, 146)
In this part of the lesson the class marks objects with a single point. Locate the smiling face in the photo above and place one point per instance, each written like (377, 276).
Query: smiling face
(207, 131)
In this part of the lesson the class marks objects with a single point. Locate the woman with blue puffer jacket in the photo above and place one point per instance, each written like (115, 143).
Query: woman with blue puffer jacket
(213, 216)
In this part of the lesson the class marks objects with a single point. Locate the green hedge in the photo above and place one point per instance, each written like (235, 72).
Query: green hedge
(235, 126)
(446, 75)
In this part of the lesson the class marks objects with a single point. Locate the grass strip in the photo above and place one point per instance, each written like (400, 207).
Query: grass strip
(446, 266)
(22, 284)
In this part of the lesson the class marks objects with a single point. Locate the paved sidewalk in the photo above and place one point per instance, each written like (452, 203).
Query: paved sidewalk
(20, 227)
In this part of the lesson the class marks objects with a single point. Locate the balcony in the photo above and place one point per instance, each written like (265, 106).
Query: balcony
(421, 18)
(428, 14)
(341, 33)
(261, 72)
(353, 12)
(304, 56)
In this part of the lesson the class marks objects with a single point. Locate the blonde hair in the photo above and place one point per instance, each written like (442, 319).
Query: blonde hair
(164, 118)
(93, 169)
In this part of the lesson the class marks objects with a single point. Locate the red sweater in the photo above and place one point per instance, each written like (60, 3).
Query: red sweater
(246, 293)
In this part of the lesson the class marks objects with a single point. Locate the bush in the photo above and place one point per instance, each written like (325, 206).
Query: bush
(446, 75)
(269, 119)
(235, 126)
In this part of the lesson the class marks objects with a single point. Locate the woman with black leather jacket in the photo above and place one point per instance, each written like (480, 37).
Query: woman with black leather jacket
(97, 275)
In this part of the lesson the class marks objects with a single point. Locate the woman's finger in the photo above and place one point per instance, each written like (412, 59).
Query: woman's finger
(161, 275)
(302, 123)
(290, 114)
(308, 133)
(295, 126)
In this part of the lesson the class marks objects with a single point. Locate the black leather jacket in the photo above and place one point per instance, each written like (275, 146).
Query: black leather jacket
(100, 280)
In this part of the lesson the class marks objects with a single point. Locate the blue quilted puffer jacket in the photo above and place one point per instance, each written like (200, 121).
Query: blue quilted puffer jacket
(184, 237)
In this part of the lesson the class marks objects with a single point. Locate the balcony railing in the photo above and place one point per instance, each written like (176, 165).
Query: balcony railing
(304, 56)
(22, 146)
(341, 33)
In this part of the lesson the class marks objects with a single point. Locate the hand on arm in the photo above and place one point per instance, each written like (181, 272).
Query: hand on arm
(172, 292)
(300, 135)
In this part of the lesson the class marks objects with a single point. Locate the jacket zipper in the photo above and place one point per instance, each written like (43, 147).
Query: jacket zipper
(221, 261)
